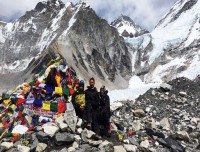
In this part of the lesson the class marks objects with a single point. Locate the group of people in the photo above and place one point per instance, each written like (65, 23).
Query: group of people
(93, 107)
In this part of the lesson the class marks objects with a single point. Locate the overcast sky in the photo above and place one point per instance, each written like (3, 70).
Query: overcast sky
(146, 13)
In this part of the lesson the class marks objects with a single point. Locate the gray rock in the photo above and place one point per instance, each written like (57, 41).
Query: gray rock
(106, 146)
(183, 94)
(42, 137)
(71, 149)
(181, 100)
(130, 148)
(64, 138)
(119, 149)
(94, 143)
(34, 144)
(193, 121)
(61, 124)
(165, 87)
(151, 123)
(153, 93)
(77, 138)
(86, 148)
(79, 130)
(7, 145)
(75, 145)
(165, 124)
(139, 113)
(87, 134)
(16, 144)
(38, 128)
(41, 147)
(12, 150)
(50, 128)
(136, 125)
(23, 148)
(145, 144)
(183, 135)
(198, 126)
(148, 109)
(79, 123)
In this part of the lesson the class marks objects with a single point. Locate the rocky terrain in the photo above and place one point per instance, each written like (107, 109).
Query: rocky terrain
(165, 119)
(168, 117)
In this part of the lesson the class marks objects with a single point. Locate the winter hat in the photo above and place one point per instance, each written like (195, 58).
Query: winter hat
(92, 79)
(81, 83)
(103, 88)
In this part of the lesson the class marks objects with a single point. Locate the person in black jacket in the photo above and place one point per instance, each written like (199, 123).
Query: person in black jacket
(78, 100)
(104, 114)
(92, 106)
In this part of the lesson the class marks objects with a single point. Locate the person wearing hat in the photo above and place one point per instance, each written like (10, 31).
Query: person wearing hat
(78, 100)
(104, 112)
(92, 106)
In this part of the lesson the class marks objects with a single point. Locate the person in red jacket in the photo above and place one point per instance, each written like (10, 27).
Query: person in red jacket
(92, 106)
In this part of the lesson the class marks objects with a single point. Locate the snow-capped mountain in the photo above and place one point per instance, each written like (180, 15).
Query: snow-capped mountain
(87, 42)
(127, 27)
(172, 49)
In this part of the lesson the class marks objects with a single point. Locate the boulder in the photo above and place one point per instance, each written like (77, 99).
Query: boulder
(94, 143)
(119, 149)
(16, 144)
(7, 145)
(50, 128)
(41, 147)
(139, 113)
(136, 125)
(23, 148)
(61, 124)
(106, 146)
(198, 126)
(87, 134)
(183, 94)
(130, 148)
(11, 150)
(75, 145)
(165, 87)
(193, 121)
(42, 137)
(144, 144)
(77, 138)
(165, 124)
(79, 123)
(151, 123)
(153, 93)
(34, 143)
(71, 149)
(64, 138)
(79, 130)
(183, 135)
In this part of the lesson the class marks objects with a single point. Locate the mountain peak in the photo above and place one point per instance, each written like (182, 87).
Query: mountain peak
(49, 4)
(127, 27)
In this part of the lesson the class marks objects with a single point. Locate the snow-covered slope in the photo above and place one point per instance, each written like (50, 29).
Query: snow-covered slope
(127, 27)
(172, 48)
(86, 41)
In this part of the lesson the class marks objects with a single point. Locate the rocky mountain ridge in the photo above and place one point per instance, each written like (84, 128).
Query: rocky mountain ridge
(127, 27)
(87, 42)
